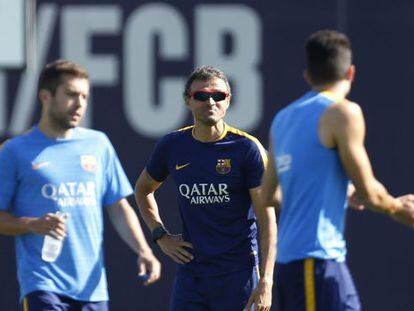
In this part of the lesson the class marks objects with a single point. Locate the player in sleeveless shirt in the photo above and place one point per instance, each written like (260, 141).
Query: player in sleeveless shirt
(316, 147)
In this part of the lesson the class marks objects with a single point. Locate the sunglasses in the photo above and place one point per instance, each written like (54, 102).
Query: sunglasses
(204, 95)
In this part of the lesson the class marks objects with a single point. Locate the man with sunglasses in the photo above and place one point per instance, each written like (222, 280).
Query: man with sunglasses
(217, 170)
(316, 148)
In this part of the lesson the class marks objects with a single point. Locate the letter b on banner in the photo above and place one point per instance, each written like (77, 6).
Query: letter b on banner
(239, 22)
(241, 65)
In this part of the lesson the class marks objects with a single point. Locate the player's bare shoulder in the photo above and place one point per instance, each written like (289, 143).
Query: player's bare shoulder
(343, 112)
(341, 116)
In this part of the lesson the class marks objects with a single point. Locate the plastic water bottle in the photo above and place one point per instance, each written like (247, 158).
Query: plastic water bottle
(52, 247)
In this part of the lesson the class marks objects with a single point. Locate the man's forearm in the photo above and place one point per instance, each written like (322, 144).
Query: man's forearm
(126, 223)
(148, 208)
(268, 239)
(377, 198)
(12, 225)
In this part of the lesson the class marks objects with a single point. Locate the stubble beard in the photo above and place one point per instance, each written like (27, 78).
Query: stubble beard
(211, 120)
(60, 121)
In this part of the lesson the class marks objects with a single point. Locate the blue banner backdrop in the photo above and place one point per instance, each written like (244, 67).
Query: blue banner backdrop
(139, 54)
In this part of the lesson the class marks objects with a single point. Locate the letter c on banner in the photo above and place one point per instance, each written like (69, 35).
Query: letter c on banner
(143, 26)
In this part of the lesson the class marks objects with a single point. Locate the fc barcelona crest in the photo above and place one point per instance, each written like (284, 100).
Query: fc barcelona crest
(223, 166)
(88, 162)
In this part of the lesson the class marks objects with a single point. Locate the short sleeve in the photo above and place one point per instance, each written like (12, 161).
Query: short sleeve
(117, 185)
(157, 166)
(8, 175)
(256, 161)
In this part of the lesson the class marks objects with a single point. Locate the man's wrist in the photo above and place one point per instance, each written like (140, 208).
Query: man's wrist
(158, 232)
(266, 279)
(394, 208)
(26, 224)
(144, 251)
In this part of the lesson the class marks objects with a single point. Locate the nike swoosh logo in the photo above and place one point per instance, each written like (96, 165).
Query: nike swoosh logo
(179, 167)
(38, 166)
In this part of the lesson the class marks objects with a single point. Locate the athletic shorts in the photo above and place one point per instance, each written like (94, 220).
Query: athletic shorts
(228, 292)
(43, 300)
(315, 285)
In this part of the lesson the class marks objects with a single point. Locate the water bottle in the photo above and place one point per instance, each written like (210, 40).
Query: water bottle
(52, 247)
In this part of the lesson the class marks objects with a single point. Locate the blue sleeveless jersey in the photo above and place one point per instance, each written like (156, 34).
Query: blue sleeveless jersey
(313, 184)
(78, 175)
(212, 182)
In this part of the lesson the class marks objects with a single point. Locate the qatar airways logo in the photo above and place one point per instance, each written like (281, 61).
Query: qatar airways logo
(205, 193)
(70, 194)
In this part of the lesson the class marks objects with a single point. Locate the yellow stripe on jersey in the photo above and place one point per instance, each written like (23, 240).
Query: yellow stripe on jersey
(25, 305)
(309, 272)
(185, 128)
(226, 128)
(222, 135)
(230, 129)
(253, 139)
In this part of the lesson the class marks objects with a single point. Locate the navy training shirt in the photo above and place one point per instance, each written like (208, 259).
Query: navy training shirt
(213, 181)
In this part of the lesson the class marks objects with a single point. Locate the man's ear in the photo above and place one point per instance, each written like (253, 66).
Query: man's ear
(350, 73)
(187, 101)
(44, 96)
(229, 98)
(307, 77)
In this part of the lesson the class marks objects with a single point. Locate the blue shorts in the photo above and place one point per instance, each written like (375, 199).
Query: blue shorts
(43, 300)
(213, 293)
(315, 285)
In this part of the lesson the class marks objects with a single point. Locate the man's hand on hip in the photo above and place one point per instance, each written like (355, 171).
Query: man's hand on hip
(174, 247)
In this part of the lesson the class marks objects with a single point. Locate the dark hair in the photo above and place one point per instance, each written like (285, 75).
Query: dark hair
(205, 73)
(51, 76)
(328, 56)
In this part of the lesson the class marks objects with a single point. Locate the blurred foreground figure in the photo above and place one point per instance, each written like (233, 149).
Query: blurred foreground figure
(316, 146)
(58, 167)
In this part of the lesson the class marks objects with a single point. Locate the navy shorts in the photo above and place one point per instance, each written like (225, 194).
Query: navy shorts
(315, 285)
(213, 293)
(43, 300)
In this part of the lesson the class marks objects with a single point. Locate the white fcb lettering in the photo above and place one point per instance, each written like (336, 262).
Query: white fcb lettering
(139, 29)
